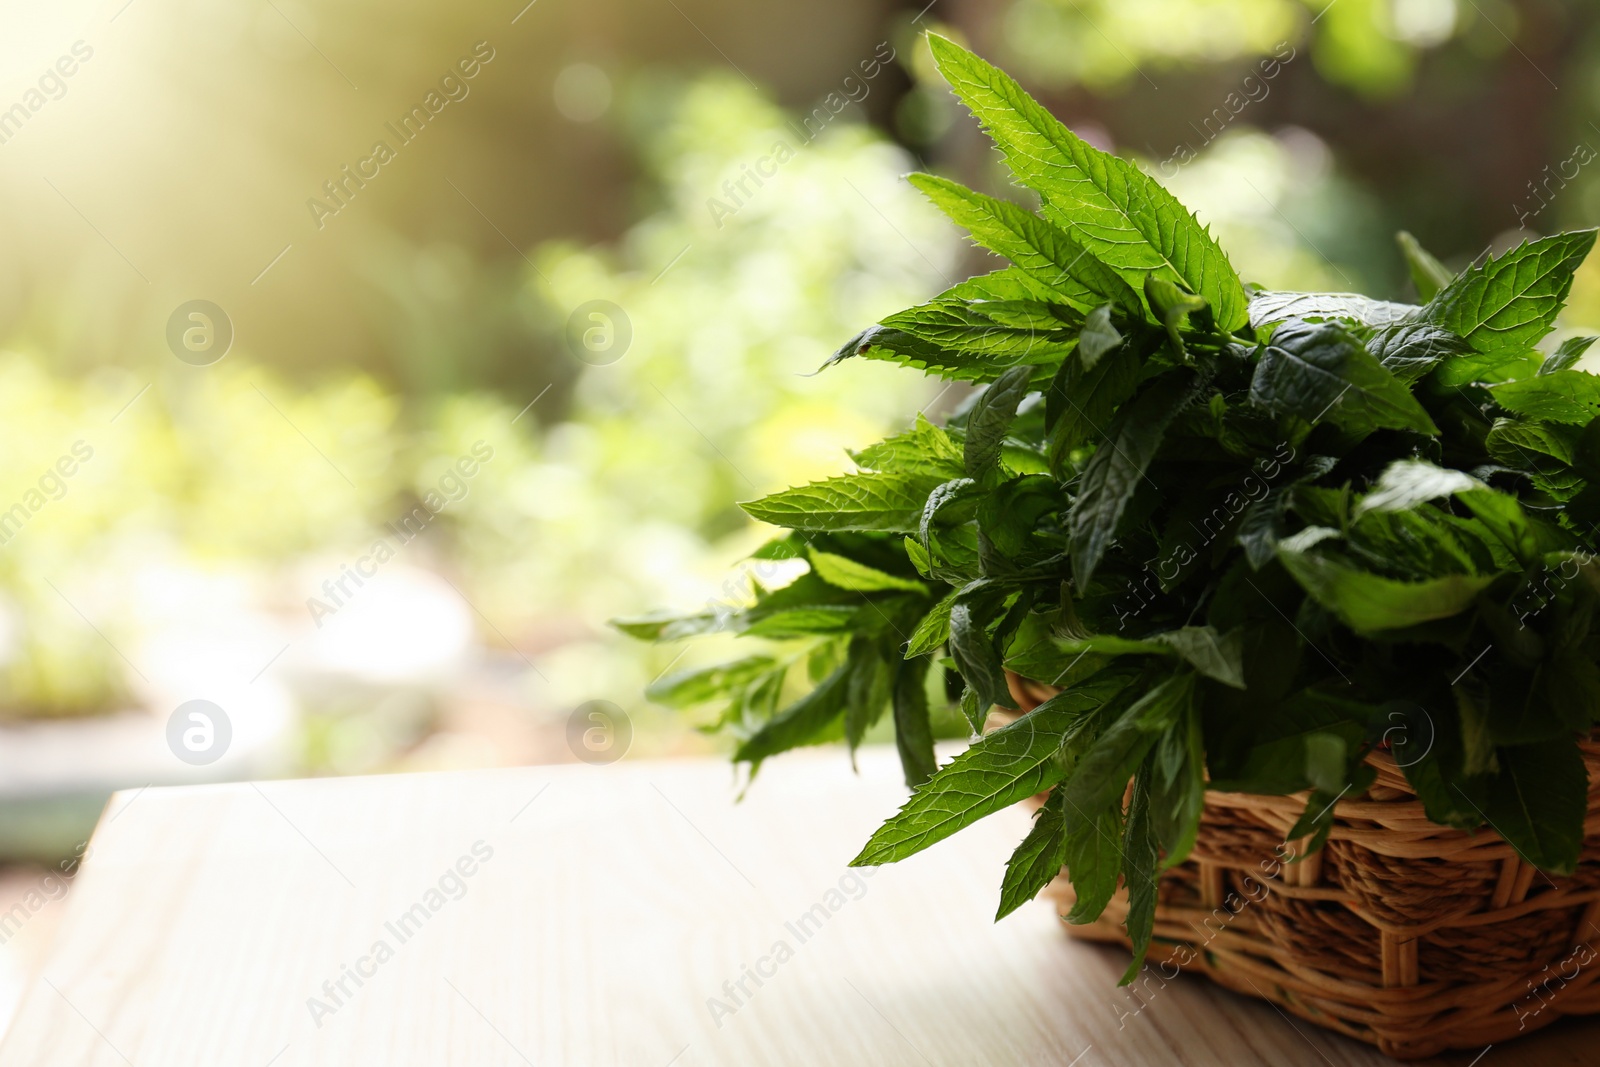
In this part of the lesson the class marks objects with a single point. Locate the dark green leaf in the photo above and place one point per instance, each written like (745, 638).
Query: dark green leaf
(1139, 851)
(1097, 337)
(801, 722)
(1117, 467)
(1037, 860)
(975, 653)
(1317, 372)
(913, 732)
(1571, 396)
(1001, 768)
(687, 688)
(991, 417)
(1538, 802)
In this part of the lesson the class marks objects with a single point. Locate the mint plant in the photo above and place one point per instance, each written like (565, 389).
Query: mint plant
(1251, 535)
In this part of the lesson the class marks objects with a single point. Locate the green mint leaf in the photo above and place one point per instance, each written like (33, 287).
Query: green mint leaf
(974, 651)
(1172, 307)
(1037, 860)
(924, 449)
(683, 689)
(934, 629)
(1427, 273)
(1269, 307)
(1107, 204)
(671, 625)
(1001, 768)
(1322, 372)
(909, 350)
(1080, 404)
(1411, 350)
(913, 730)
(1118, 466)
(1538, 802)
(889, 502)
(1139, 858)
(1512, 301)
(1370, 603)
(990, 419)
(802, 722)
(1569, 396)
(868, 689)
(1408, 482)
(1097, 337)
(1048, 255)
(1567, 354)
(845, 573)
(1212, 654)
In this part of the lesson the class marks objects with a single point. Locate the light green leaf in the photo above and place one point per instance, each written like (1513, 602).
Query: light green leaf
(1567, 354)
(672, 625)
(1368, 602)
(845, 573)
(934, 629)
(801, 722)
(1427, 273)
(1043, 250)
(1107, 204)
(686, 688)
(923, 449)
(1570, 396)
(890, 502)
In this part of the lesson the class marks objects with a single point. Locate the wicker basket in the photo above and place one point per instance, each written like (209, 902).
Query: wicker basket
(1409, 935)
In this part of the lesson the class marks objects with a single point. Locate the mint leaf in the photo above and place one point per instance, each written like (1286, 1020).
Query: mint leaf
(1567, 354)
(923, 449)
(975, 653)
(671, 625)
(1001, 768)
(1097, 337)
(1409, 482)
(1117, 467)
(913, 732)
(1369, 603)
(1268, 307)
(687, 688)
(1512, 301)
(1538, 802)
(1212, 654)
(868, 688)
(845, 573)
(1569, 396)
(1139, 856)
(890, 502)
(1107, 204)
(801, 722)
(1427, 273)
(1080, 403)
(1048, 255)
(1410, 350)
(1316, 372)
(1037, 860)
(989, 420)
(934, 629)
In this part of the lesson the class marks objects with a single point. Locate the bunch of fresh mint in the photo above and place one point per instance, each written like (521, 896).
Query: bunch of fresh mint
(1251, 535)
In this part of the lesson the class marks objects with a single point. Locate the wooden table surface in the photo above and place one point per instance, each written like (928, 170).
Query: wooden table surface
(599, 915)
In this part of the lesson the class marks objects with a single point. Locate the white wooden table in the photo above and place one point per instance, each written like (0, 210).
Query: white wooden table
(581, 915)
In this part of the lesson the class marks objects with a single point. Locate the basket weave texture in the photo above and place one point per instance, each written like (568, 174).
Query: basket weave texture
(1411, 936)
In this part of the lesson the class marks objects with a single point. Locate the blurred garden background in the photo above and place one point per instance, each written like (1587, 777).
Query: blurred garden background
(416, 328)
